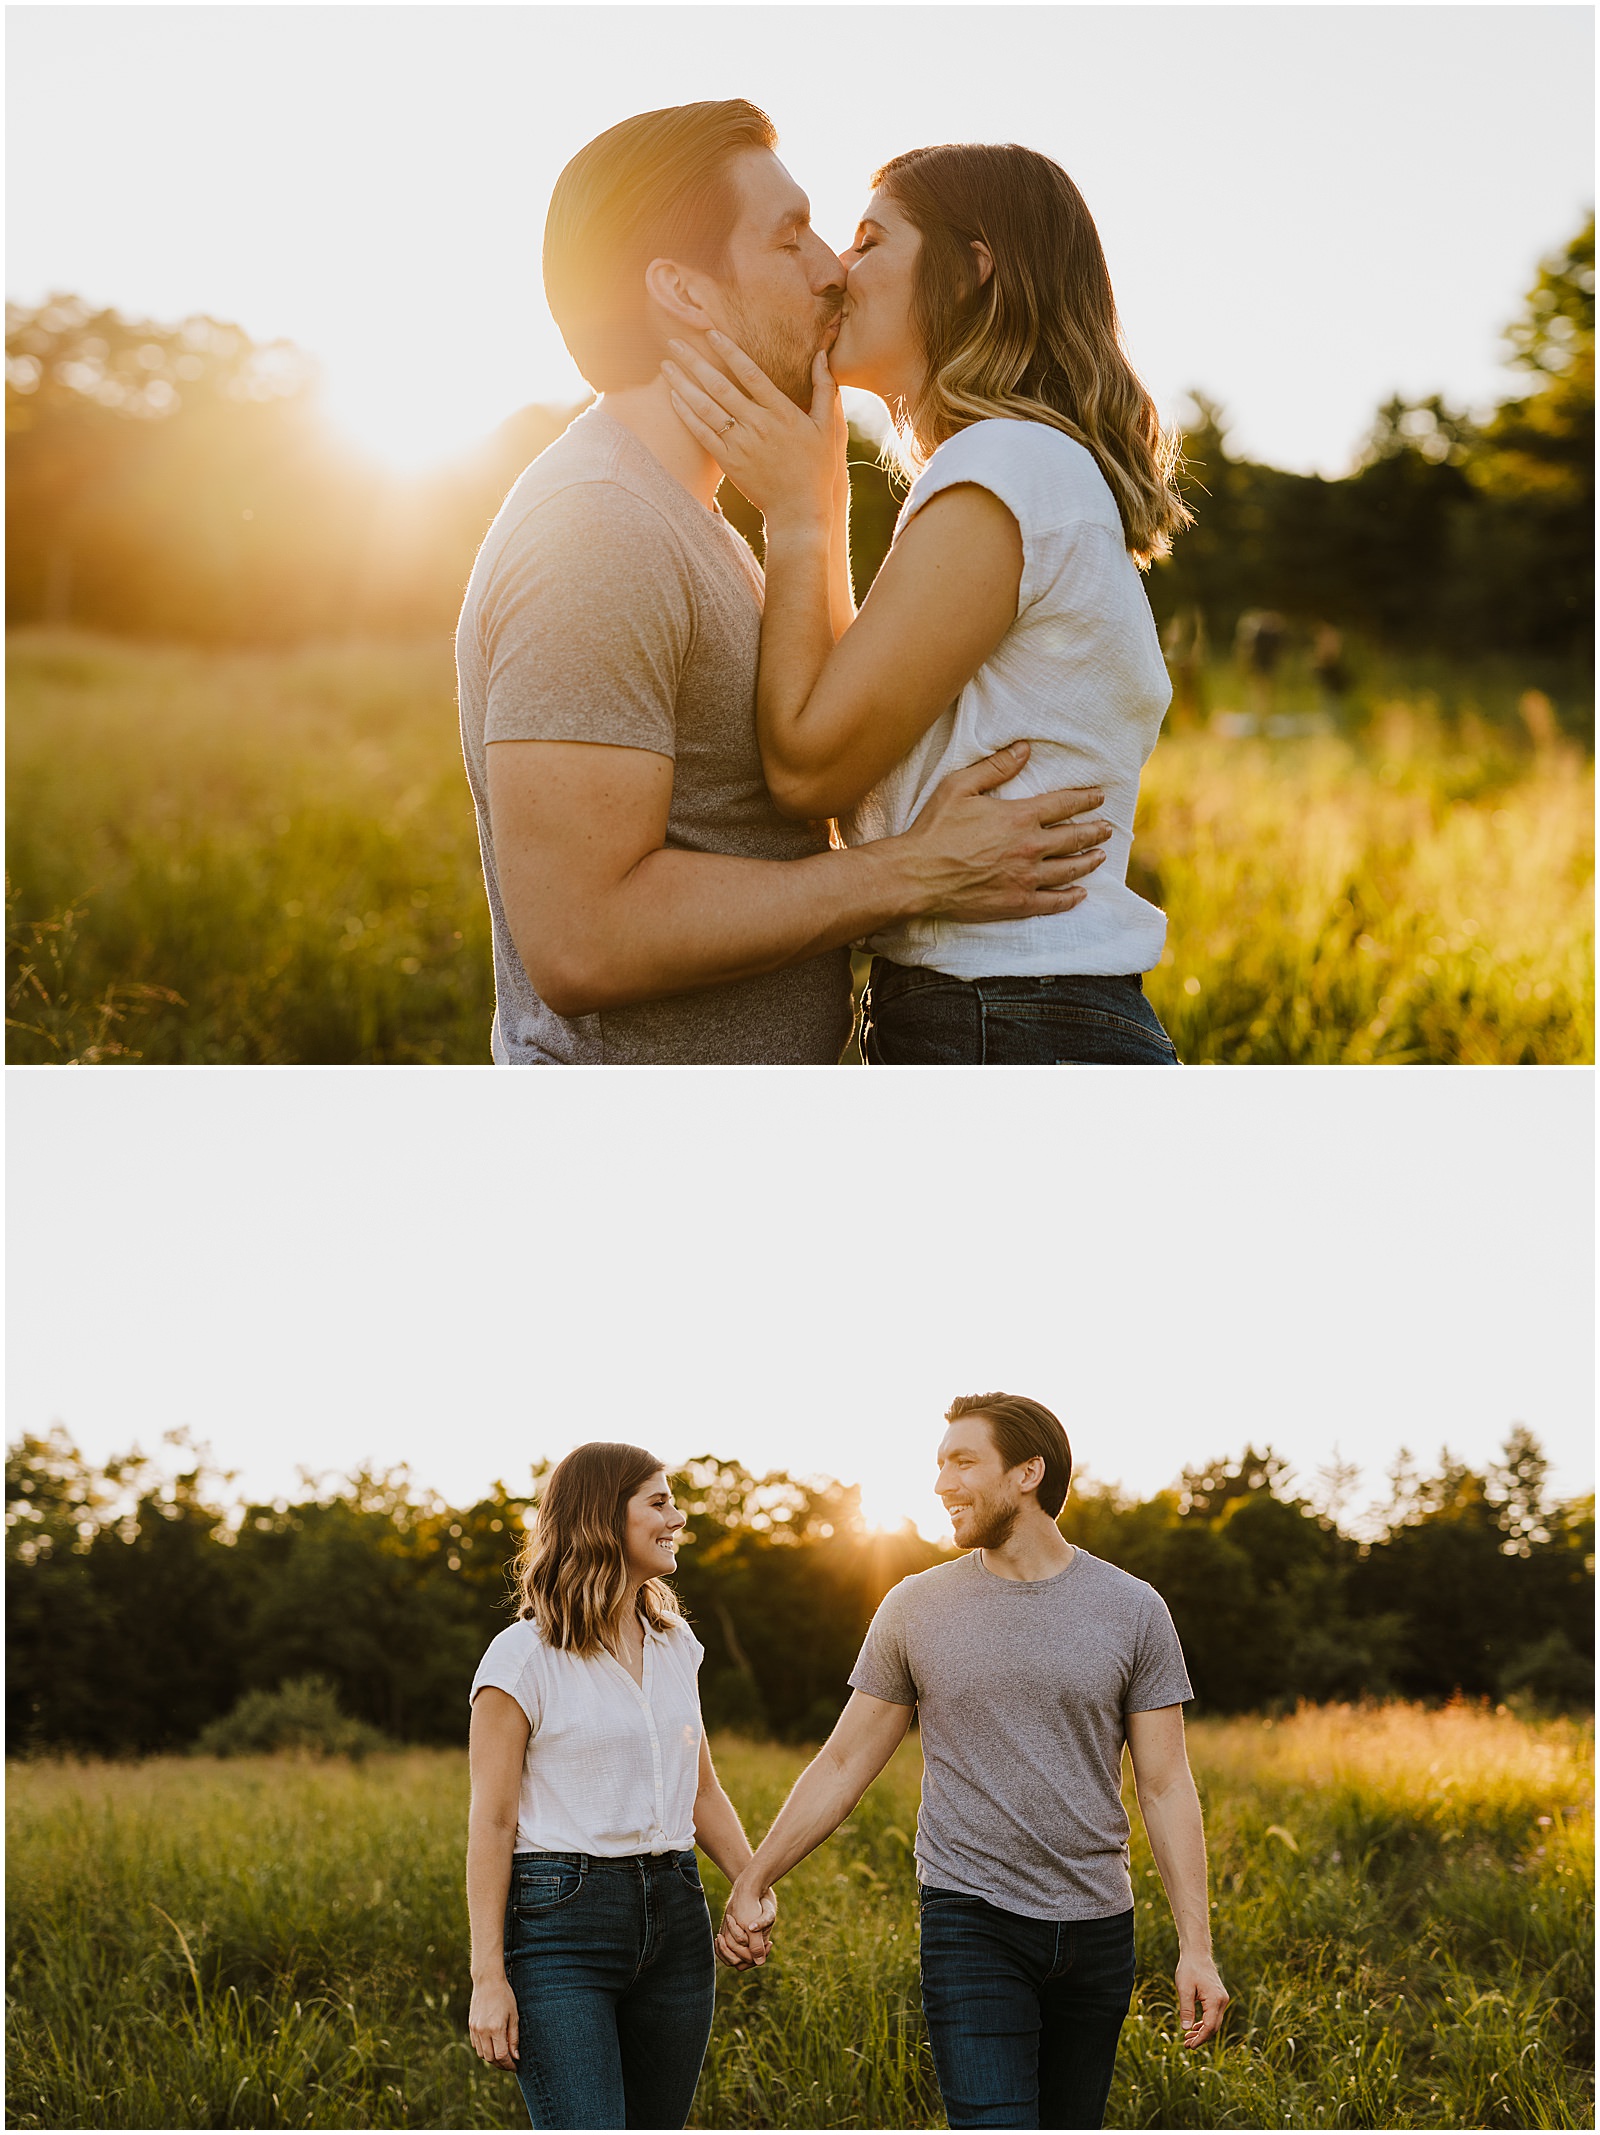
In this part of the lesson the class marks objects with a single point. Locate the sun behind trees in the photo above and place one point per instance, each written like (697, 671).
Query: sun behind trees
(179, 483)
(141, 1607)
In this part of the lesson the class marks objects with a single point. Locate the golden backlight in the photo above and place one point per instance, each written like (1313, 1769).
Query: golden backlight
(893, 1494)
(410, 422)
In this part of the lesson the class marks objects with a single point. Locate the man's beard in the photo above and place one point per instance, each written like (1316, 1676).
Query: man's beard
(992, 1525)
(784, 351)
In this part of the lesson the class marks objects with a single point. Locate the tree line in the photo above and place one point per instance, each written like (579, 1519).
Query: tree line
(177, 482)
(142, 1606)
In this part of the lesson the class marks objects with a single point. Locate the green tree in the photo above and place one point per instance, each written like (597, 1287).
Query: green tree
(1487, 1577)
(122, 1623)
(1534, 462)
(142, 1607)
(368, 1585)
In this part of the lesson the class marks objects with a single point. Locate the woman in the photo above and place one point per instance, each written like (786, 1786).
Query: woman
(592, 1783)
(980, 309)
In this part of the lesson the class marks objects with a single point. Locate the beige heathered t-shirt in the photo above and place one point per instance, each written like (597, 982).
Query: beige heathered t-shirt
(607, 605)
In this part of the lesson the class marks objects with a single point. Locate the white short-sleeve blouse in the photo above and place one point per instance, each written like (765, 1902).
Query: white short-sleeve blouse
(1079, 675)
(612, 1766)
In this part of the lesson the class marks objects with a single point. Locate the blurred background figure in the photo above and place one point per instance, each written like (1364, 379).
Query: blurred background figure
(1330, 671)
(1538, 715)
(1186, 647)
(1259, 644)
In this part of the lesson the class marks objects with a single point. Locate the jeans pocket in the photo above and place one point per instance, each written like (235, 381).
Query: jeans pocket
(540, 1890)
(689, 1870)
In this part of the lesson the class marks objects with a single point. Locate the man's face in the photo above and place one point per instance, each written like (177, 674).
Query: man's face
(780, 293)
(980, 1493)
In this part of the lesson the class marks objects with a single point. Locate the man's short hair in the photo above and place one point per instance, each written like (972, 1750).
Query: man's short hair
(1023, 1430)
(658, 186)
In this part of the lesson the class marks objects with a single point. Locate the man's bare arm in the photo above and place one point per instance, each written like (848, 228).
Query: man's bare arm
(865, 1737)
(1171, 1811)
(603, 913)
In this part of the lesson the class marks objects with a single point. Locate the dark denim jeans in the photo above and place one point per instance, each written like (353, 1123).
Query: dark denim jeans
(914, 1017)
(611, 1965)
(1023, 2015)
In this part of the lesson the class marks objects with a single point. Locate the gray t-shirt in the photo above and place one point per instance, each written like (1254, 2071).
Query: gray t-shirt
(1021, 1688)
(607, 605)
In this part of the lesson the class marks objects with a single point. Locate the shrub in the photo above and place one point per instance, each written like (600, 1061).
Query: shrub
(301, 1715)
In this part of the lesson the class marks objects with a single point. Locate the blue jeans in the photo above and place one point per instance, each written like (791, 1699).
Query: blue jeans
(1023, 2015)
(611, 1965)
(916, 1017)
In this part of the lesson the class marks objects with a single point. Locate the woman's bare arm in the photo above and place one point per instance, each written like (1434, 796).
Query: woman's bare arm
(832, 718)
(497, 1746)
(719, 1832)
(717, 1829)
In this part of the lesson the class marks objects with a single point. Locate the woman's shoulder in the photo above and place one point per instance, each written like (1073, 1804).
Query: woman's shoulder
(1013, 440)
(1036, 469)
(514, 1661)
(516, 1646)
(681, 1640)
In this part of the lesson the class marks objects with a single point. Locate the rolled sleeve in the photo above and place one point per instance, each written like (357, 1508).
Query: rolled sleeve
(503, 1667)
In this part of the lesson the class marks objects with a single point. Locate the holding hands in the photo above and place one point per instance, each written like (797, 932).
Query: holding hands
(787, 462)
(745, 1937)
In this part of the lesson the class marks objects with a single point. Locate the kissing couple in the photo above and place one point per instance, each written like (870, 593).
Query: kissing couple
(698, 783)
(1028, 1664)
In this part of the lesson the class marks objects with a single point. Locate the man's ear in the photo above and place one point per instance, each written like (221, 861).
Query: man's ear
(1030, 1479)
(676, 291)
(984, 258)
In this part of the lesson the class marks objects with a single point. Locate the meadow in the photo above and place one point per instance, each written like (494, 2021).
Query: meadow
(1403, 1909)
(270, 857)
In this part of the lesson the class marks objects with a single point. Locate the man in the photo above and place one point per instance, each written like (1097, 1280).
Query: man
(1028, 1663)
(649, 903)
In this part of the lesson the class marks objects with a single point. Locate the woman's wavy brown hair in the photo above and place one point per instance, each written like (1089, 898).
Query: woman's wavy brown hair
(572, 1569)
(1039, 339)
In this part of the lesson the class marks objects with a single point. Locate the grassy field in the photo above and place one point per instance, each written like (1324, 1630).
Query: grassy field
(271, 857)
(1404, 1916)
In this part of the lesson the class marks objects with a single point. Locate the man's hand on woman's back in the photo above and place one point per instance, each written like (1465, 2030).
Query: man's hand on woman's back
(984, 858)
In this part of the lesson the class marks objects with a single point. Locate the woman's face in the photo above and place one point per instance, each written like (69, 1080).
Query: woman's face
(650, 1540)
(877, 348)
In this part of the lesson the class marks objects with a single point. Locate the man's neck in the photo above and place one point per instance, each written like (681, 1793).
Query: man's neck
(1035, 1549)
(647, 411)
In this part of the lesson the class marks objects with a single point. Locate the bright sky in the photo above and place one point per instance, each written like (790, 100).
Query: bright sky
(464, 1271)
(1306, 209)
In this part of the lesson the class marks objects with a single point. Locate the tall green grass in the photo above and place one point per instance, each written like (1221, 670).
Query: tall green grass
(271, 857)
(241, 857)
(1403, 1908)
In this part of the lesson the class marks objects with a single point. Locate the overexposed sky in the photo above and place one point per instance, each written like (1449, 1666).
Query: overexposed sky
(1305, 208)
(462, 1270)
